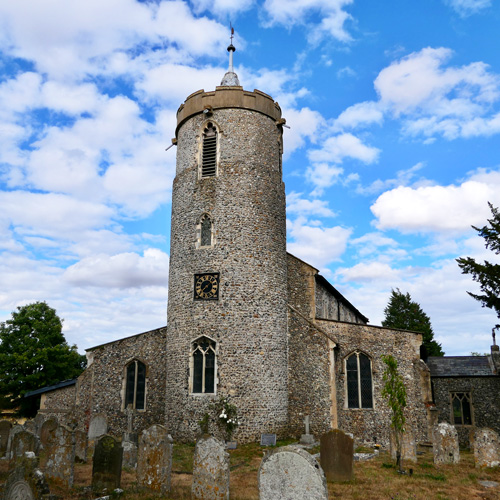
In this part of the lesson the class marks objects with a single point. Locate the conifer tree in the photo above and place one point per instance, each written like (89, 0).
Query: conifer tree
(405, 314)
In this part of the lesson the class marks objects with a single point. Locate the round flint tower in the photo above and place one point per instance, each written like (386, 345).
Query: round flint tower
(227, 302)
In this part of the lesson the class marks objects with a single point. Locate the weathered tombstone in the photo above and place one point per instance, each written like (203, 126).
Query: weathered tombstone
(26, 482)
(130, 452)
(408, 448)
(445, 444)
(30, 426)
(210, 470)
(5, 427)
(39, 420)
(268, 439)
(337, 455)
(307, 438)
(57, 458)
(486, 448)
(290, 473)
(107, 464)
(80, 446)
(98, 426)
(13, 431)
(22, 442)
(154, 464)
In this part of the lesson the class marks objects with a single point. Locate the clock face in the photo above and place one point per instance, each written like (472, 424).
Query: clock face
(206, 286)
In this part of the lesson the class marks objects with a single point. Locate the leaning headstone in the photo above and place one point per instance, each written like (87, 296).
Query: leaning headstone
(80, 446)
(5, 427)
(210, 470)
(107, 465)
(486, 448)
(408, 448)
(26, 482)
(57, 458)
(337, 455)
(290, 473)
(98, 427)
(445, 444)
(22, 442)
(154, 464)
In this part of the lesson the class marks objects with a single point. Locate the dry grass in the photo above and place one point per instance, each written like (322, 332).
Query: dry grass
(374, 480)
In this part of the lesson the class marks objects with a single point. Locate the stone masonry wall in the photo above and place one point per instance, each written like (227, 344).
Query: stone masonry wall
(485, 393)
(246, 203)
(59, 404)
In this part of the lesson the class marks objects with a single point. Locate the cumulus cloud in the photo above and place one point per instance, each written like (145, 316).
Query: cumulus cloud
(296, 204)
(362, 113)
(346, 145)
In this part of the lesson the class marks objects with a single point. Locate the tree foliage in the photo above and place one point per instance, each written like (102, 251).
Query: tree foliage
(405, 314)
(34, 354)
(394, 391)
(486, 273)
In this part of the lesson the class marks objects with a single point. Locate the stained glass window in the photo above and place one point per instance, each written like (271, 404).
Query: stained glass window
(203, 369)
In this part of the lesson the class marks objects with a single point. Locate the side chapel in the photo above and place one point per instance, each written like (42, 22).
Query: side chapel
(246, 319)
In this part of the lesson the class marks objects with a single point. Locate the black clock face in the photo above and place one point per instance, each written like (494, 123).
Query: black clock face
(206, 286)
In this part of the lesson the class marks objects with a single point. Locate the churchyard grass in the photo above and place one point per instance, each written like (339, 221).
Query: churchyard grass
(376, 479)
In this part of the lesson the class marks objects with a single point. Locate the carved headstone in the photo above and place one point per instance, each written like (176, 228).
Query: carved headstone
(210, 470)
(22, 442)
(486, 448)
(409, 447)
(154, 465)
(290, 473)
(80, 446)
(107, 465)
(337, 455)
(5, 427)
(26, 482)
(57, 458)
(445, 444)
(98, 426)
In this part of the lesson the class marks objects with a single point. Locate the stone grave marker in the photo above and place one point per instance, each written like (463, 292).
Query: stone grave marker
(30, 426)
(268, 439)
(154, 464)
(445, 444)
(22, 442)
(486, 448)
(57, 457)
(210, 470)
(98, 426)
(337, 455)
(26, 482)
(306, 438)
(290, 473)
(107, 464)
(13, 431)
(5, 427)
(409, 447)
(80, 446)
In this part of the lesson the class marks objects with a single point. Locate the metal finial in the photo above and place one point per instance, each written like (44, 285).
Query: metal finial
(232, 32)
(230, 78)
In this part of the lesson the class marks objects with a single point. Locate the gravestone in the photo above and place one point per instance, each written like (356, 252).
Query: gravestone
(337, 455)
(98, 426)
(268, 439)
(445, 444)
(130, 453)
(107, 465)
(210, 470)
(307, 438)
(30, 426)
(290, 473)
(80, 446)
(5, 427)
(26, 482)
(408, 448)
(39, 420)
(22, 442)
(57, 457)
(154, 464)
(486, 448)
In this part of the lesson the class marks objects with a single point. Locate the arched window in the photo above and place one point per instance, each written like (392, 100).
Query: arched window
(209, 151)
(206, 231)
(203, 366)
(359, 381)
(135, 388)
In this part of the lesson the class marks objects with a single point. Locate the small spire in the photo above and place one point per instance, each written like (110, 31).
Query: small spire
(231, 78)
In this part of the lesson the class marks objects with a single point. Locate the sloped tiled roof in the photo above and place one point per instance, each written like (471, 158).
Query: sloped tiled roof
(459, 366)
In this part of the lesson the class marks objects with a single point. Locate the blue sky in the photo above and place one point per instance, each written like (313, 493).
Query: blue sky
(392, 152)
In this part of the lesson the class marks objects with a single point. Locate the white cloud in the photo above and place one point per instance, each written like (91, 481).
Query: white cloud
(323, 175)
(336, 148)
(360, 114)
(468, 7)
(369, 271)
(304, 123)
(295, 204)
(222, 6)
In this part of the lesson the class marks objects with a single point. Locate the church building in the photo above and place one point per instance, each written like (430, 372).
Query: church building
(246, 319)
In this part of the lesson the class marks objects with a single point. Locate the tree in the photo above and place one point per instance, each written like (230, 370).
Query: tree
(394, 392)
(486, 274)
(405, 314)
(34, 354)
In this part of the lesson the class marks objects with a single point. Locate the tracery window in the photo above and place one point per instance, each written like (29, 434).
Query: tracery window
(135, 388)
(209, 151)
(203, 360)
(359, 381)
(461, 408)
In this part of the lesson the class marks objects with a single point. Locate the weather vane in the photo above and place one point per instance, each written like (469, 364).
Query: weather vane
(232, 32)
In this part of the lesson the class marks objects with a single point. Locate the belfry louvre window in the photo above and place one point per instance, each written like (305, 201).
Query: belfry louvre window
(203, 366)
(359, 381)
(135, 392)
(209, 151)
(461, 408)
